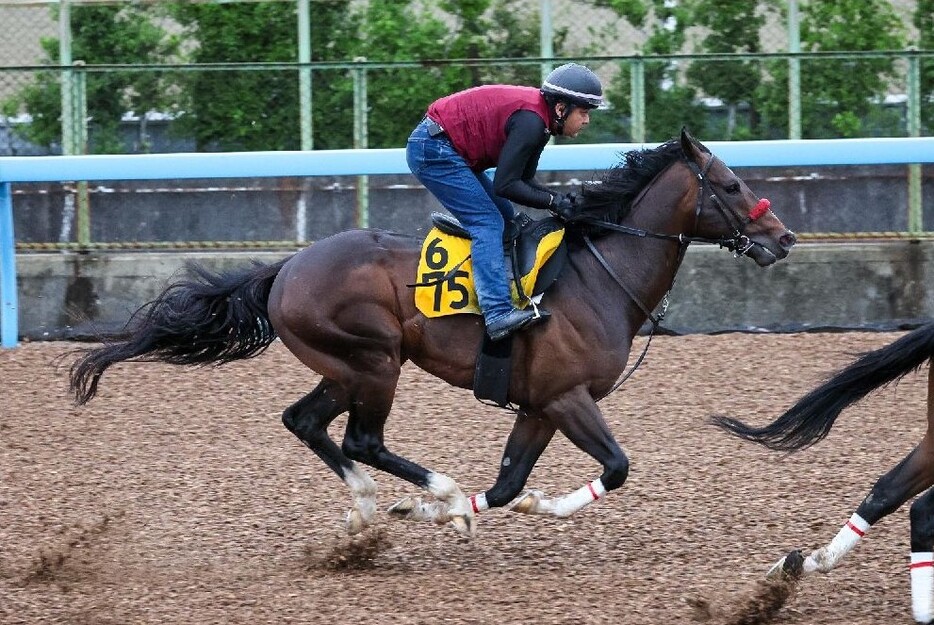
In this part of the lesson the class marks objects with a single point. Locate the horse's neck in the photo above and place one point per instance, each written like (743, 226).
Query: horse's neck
(647, 265)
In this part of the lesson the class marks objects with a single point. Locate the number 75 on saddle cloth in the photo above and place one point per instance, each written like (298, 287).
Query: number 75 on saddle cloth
(445, 283)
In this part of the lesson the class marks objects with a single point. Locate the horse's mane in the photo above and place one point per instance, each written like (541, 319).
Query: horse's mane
(611, 197)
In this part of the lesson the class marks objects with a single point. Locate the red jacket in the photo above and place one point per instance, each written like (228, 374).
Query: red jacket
(475, 119)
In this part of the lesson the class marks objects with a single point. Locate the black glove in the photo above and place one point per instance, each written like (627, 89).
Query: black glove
(565, 206)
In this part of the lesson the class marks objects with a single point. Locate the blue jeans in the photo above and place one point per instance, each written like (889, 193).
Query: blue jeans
(469, 196)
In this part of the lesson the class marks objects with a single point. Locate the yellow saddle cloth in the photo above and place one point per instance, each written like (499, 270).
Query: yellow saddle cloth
(445, 276)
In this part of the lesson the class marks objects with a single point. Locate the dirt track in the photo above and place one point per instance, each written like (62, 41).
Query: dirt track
(177, 496)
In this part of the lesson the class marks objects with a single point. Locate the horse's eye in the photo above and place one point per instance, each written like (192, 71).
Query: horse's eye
(732, 189)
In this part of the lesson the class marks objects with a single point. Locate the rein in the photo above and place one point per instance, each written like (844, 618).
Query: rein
(738, 243)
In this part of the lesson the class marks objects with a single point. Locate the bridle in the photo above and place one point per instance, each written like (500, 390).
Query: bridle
(737, 242)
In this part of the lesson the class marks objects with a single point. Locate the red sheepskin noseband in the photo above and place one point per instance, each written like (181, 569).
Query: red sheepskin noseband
(761, 208)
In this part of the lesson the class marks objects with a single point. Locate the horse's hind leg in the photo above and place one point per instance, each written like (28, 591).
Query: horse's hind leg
(913, 475)
(922, 558)
(922, 538)
(364, 441)
(308, 419)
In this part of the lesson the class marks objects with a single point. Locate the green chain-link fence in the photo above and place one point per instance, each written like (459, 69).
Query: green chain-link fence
(99, 76)
(164, 76)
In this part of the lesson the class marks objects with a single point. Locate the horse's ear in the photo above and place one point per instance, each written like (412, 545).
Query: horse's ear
(688, 144)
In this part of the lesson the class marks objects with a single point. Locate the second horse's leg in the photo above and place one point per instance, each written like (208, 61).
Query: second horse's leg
(922, 558)
(913, 475)
(922, 536)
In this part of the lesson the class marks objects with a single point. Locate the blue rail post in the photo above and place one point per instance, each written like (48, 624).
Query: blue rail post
(8, 307)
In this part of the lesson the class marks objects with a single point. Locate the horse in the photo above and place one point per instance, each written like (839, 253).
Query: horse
(810, 420)
(343, 308)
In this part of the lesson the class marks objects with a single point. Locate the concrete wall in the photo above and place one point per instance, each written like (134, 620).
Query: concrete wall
(881, 285)
(807, 199)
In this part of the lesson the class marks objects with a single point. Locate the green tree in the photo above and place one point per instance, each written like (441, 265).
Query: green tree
(732, 28)
(126, 34)
(252, 110)
(669, 104)
(837, 96)
(482, 29)
(924, 22)
(258, 109)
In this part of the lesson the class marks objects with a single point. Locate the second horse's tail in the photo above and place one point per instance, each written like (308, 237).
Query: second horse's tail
(211, 318)
(810, 420)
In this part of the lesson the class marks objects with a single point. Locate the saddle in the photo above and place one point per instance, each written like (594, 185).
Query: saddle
(521, 243)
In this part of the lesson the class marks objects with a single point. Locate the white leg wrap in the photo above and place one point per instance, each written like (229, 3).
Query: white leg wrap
(581, 498)
(922, 586)
(361, 485)
(563, 506)
(478, 503)
(826, 558)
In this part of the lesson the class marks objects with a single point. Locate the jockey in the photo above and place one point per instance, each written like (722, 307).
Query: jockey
(506, 127)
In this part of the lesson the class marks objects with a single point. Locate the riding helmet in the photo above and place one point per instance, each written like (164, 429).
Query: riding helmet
(575, 84)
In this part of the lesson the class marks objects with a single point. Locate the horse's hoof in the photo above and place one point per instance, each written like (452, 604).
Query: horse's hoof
(527, 503)
(790, 567)
(403, 507)
(463, 525)
(355, 522)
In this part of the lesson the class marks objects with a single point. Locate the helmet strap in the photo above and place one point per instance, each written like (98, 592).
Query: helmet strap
(559, 117)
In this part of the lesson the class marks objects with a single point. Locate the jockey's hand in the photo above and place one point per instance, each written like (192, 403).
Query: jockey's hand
(565, 206)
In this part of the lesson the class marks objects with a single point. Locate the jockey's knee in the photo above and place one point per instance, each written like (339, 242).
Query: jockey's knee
(616, 471)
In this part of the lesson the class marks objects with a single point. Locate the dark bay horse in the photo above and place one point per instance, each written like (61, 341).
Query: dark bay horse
(811, 419)
(342, 307)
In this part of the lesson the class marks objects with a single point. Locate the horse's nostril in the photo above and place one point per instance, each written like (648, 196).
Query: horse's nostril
(788, 240)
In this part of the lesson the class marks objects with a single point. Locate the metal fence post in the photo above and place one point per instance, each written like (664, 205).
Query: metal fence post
(546, 37)
(915, 212)
(65, 60)
(304, 73)
(360, 140)
(637, 99)
(9, 310)
(80, 129)
(794, 72)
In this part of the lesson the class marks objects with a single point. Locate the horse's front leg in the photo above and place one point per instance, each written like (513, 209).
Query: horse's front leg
(529, 437)
(576, 414)
(913, 475)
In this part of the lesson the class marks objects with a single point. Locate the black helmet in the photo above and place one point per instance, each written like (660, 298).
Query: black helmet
(575, 84)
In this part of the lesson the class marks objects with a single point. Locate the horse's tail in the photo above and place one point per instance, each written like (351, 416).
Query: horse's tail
(210, 318)
(809, 421)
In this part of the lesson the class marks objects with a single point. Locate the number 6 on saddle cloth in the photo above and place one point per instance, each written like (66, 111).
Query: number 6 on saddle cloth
(445, 284)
